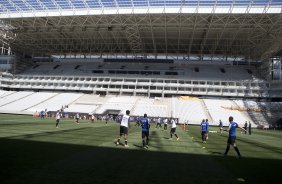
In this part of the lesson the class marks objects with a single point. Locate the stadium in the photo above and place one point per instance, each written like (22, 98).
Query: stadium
(183, 59)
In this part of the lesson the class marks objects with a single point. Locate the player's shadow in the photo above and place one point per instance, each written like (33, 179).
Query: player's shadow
(216, 152)
(138, 146)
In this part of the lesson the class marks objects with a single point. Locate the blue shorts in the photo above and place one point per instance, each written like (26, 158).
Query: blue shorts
(231, 140)
(145, 134)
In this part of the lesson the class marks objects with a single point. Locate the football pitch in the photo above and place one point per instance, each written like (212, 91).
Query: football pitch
(34, 151)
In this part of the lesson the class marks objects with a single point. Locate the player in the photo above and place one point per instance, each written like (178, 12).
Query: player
(204, 129)
(173, 129)
(107, 117)
(158, 120)
(232, 136)
(145, 131)
(165, 123)
(250, 128)
(92, 118)
(77, 118)
(58, 117)
(245, 126)
(220, 126)
(137, 121)
(207, 122)
(186, 125)
(123, 130)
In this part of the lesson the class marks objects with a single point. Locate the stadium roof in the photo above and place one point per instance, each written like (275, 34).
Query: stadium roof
(249, 28)
(35, 5)
(31, 8)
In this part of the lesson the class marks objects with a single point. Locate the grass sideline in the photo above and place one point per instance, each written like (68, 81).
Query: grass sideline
(34, 151)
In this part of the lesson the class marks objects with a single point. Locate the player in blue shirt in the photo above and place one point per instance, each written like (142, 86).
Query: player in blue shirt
(145, 131)
(137, 121)
(204, 130)
(232, 136)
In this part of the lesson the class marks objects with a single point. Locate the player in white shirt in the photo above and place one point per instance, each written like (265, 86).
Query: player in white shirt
(92, 118)
(77, 118)
(58, 117)
(159, 122)
(173, 129)
(124, 125)
(165, 123)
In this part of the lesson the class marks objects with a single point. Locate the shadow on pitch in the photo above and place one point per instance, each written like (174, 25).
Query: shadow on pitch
(138, 146)
(34, 162)
(216, 153)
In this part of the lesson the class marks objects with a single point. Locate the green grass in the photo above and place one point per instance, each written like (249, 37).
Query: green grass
(34, 151)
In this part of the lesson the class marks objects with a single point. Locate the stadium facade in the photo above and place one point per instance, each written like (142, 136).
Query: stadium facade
(230, 31)
(152, 48)
(155, 48)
